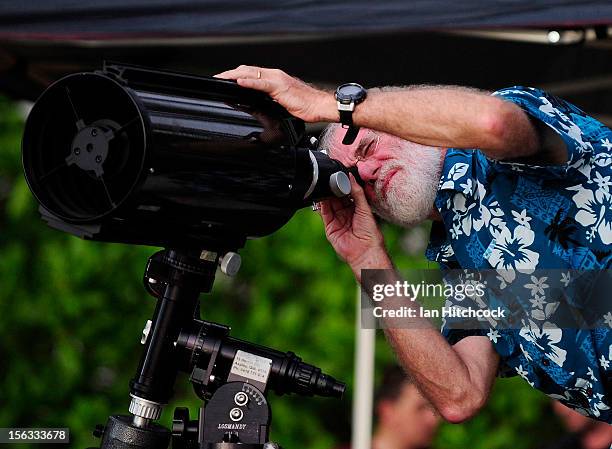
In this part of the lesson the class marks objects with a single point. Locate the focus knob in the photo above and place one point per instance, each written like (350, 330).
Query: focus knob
(230, 263)
(340, 184)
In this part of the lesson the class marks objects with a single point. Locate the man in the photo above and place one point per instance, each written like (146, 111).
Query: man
(535, 194)
(405, 419)
(584, 433)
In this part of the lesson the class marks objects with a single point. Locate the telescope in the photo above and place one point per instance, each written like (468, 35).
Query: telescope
(195, 165)
(142, 156)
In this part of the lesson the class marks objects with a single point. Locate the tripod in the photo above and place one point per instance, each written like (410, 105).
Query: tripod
(233, 376)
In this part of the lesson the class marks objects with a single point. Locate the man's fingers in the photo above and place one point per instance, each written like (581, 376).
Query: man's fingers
(341, 205)
(229, 74)
(225, 75)
(247, 71)
(257, 84)
(243, 71)
(358, 194)
(336, 209)
(251, 77)
(326, 212)
(329, 209)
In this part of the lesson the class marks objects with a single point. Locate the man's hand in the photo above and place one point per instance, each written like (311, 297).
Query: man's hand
(353, 232)
(300, 99)
(436, 116)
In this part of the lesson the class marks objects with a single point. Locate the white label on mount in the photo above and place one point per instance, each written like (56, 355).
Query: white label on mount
(250, 367)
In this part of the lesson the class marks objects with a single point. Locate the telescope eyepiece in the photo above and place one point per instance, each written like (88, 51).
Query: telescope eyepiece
(329, 178)
(340, 184)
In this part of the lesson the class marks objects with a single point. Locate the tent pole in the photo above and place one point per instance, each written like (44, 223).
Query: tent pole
(363, 391)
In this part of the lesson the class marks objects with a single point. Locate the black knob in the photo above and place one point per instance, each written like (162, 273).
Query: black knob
(180, 421)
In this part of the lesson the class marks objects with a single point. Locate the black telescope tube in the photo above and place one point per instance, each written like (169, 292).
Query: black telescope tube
(142, 156)
(288, 374)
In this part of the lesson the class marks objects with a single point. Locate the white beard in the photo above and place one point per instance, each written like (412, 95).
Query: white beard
(412, 191)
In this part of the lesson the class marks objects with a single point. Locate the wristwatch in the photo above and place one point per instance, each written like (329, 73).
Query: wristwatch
(347, 97)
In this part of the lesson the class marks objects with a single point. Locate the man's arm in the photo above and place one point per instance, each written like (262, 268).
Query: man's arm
(451, 116)
(455, 379)
(447, 116)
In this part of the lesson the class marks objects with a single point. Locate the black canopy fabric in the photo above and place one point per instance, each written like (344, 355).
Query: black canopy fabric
(83, 19)
(374, 42)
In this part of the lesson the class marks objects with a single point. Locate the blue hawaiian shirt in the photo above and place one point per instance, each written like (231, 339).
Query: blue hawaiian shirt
(517, 217)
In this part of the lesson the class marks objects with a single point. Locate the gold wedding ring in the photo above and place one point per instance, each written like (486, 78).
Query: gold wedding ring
(259, 74)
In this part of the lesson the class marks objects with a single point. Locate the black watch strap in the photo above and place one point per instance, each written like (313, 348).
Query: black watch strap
(346, 118)
(351, 135)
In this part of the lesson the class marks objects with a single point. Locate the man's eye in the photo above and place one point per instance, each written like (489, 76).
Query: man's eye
(368, 150)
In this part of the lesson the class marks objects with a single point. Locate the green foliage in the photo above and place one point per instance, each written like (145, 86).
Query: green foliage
(71, 313)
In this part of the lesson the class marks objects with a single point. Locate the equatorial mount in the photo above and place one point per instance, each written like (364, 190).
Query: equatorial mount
(232, 376)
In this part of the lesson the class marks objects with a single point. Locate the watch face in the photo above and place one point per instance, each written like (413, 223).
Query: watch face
(350, 92)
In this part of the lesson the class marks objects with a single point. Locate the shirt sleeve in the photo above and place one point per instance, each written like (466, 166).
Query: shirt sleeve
(503, 341)
(574, 126)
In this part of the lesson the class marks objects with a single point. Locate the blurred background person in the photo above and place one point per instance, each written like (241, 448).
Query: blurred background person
(405, 419)
(584, 433)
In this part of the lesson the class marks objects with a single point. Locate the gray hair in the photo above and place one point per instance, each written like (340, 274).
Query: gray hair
(326, 137)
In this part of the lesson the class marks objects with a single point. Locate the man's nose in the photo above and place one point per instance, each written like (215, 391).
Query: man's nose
(368, 170)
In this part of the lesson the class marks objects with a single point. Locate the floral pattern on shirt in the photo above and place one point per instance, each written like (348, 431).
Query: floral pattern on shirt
(516, 217)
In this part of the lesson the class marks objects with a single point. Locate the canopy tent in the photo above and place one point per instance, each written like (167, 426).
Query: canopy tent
(328, 42)
(60, 19)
